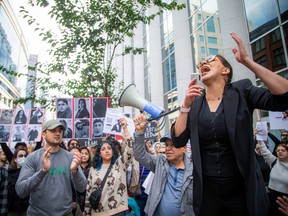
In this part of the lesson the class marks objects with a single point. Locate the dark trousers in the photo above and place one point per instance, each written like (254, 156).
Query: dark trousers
(223, 197)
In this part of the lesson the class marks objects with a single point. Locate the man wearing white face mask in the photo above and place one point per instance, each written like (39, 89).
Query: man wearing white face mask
(16, 205)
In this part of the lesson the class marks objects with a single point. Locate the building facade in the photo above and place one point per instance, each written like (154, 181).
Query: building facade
(177, 41)
(13, 56)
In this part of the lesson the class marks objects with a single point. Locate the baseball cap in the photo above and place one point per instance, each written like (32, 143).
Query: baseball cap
(94, 144)
(165, 137)
(52, 124)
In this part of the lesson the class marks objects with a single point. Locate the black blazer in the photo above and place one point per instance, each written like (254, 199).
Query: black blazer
(240, 99)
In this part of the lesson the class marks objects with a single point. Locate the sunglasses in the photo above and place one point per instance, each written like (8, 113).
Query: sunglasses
(206, 60)
(285, 135)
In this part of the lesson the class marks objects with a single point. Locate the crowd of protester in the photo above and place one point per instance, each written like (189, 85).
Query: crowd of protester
(168, 192)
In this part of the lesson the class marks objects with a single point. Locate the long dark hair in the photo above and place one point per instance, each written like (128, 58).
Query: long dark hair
(228, 65)
(89, 160)
(82, 99)
(97, 161)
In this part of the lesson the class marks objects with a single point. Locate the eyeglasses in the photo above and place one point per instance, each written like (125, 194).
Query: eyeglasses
(207, 60)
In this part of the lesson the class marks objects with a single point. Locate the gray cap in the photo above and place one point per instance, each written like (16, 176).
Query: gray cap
(164, 138)
(94, 144)
(52, 124)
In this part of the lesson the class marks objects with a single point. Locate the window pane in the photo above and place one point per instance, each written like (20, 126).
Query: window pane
(283, 5)
(268, 51)
(212, 40)
(259, 22)
(213, 51)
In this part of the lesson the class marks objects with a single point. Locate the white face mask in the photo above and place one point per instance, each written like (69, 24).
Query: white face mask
(20, 161)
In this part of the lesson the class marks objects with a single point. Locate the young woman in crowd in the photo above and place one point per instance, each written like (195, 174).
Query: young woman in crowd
(86, 160)
(114, 200)
(16, 206)
(278, 182)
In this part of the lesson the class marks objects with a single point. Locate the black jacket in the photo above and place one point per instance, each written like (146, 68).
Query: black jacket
(15, 203)
(240, 99)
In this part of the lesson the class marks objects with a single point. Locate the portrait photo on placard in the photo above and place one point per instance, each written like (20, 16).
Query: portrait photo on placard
(34, 133)
(81, 128)
(36, 116)
(4, 133)
(99, 107)
(63, 107)
(82, 107)
(6, 116)
(67, 133)
(21, 116)
(97, 128)
(18, 133)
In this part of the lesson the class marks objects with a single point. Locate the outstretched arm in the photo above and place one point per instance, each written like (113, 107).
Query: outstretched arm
(275, 83)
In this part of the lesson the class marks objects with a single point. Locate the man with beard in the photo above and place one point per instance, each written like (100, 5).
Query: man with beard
(47, 174)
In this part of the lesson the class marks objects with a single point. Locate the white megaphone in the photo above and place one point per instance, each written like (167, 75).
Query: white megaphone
(131, 97)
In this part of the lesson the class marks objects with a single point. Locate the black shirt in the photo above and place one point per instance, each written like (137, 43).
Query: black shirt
(216, 153)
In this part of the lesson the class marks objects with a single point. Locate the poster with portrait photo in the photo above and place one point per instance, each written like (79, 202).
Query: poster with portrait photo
(6, 116)
(82, 128)
(18, 133)
(5, 133)
(97, 128)
(21, 116)
(112, 123)
(34, 133)
(64, 108)
(82, 107)
(67, 133)
(36, 116)
(99, 107)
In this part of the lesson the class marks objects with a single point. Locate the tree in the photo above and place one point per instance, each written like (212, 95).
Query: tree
(90, 32)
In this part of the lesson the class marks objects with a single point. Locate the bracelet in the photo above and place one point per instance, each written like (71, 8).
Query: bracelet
(184, 110)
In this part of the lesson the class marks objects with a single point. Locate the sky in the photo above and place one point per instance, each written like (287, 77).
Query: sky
(34, 42)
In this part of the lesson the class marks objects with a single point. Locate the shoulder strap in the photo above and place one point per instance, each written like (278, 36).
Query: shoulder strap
(273, 164)
(106, 175)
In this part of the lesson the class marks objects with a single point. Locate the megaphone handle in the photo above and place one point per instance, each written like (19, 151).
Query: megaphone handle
(163, 114)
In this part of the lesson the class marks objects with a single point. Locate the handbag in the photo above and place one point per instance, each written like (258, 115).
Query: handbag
(135, 190)
(95, 196)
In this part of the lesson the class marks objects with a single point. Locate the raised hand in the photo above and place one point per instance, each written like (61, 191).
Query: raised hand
(77, 157)
(240, 54)
(46, 162)
(140, 123)
(123, 123)
(193, 91)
